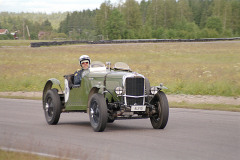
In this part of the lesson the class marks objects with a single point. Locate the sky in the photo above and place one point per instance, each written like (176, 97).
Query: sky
(50, 6)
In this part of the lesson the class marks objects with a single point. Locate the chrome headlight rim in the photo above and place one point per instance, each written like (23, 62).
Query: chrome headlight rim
(154, 90)
(119, 91)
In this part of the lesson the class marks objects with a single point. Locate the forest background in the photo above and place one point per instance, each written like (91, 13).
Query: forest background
(149, 19)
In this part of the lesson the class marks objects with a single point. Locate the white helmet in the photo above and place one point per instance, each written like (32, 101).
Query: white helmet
(84, 58)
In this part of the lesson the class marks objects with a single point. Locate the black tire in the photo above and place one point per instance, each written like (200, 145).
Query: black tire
(159, 120)
(52, 107)
(98, 112)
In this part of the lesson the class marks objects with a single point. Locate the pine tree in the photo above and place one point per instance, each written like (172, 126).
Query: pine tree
(102, 16)
(236, 17)
(206, 12)
(170, 13)
(156, 12)
(183, 11)
(144, 9)
(46, 26)
(131, 12)
(63, 28)
(115, 25)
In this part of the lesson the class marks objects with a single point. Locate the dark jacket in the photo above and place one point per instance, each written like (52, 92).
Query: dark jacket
(78, 77)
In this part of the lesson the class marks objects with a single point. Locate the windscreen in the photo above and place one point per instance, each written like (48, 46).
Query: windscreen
(121, 66)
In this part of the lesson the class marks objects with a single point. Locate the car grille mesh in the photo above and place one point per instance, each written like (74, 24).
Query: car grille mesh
(135, 87)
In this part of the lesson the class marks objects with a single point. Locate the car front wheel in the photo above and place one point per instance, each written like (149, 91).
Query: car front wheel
(160, 119)
(98, 112)
(52, 107)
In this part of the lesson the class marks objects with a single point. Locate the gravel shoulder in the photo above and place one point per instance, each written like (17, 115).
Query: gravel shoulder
(192, 99)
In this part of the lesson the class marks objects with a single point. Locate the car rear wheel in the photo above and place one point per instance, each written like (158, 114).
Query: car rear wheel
(160, 119)
(52, 107)
(98, 112)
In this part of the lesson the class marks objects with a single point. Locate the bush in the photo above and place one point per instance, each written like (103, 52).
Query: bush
(182, 34)
(6, 37)
(209, 33)
(227, 33)
(214, 23)
(159, 33)
(58, 36)
(171, 34)
(145, 32)
(34, 36)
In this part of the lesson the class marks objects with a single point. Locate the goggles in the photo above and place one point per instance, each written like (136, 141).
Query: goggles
(84, 62)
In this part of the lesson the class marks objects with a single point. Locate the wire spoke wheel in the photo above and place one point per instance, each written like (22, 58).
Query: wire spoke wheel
(49, 108)
(160, 119)
(98, 112)
(52, 107)
(157, 117)
(94, 112)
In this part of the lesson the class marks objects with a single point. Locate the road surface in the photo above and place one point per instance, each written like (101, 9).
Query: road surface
(189, 135)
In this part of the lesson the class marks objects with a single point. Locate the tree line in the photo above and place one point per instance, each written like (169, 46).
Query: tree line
(160, 19)
(34, 22)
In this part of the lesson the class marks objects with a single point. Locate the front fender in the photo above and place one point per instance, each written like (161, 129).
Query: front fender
(49, 85)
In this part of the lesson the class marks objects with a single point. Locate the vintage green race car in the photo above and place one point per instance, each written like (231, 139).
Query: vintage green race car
(107, 94)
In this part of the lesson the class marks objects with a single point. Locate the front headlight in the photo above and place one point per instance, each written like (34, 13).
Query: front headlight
(119, 90)
(154, 90)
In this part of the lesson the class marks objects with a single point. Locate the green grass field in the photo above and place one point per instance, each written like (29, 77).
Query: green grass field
(185, 68)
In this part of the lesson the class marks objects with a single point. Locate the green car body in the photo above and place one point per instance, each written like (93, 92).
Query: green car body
(107, 94)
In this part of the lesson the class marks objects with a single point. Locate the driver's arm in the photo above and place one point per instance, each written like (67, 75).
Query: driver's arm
(77, 78)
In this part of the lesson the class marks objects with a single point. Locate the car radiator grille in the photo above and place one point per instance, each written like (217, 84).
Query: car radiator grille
(135, 87)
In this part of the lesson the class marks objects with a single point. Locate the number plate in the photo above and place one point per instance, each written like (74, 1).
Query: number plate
(138, 108)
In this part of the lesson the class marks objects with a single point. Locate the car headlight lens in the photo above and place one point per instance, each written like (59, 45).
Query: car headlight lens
(154, 90)
(119, 90)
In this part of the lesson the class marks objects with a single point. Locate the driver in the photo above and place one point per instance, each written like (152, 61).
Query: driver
(84, 61)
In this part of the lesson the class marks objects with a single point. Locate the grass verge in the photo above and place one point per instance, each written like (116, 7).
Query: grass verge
(220, 107)
(10, 155)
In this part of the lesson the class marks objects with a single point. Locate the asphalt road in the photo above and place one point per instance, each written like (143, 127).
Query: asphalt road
(189, 135)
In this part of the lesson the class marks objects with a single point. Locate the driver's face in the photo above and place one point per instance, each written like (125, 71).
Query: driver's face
(85, 65)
